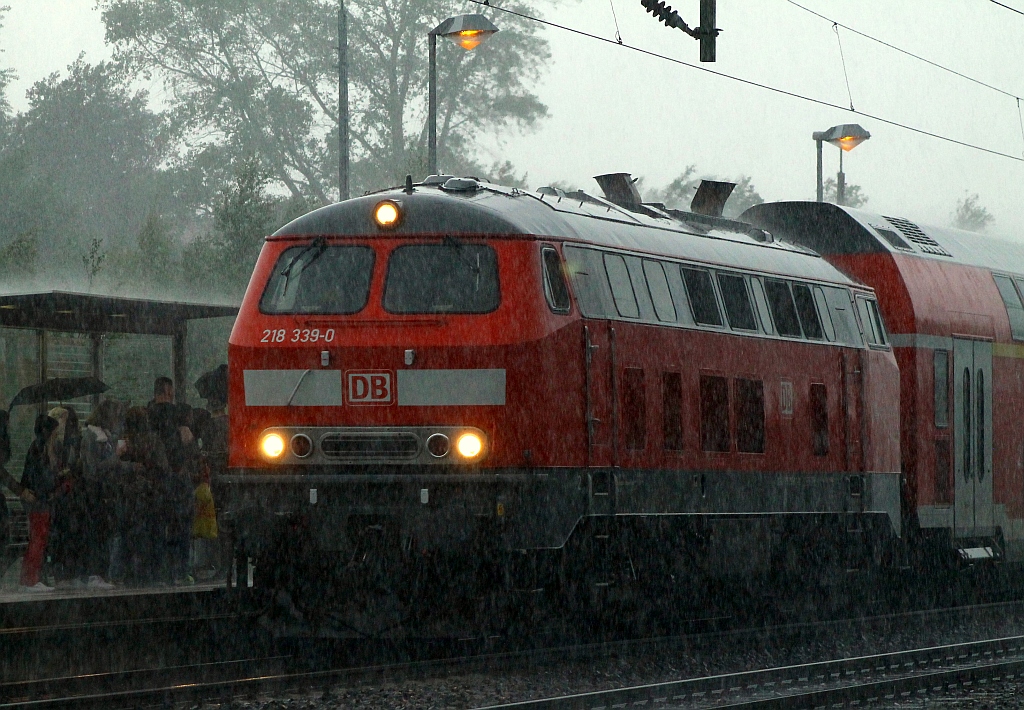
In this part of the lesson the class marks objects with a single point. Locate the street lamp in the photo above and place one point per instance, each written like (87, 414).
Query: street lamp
(846, 137)
(467, 31)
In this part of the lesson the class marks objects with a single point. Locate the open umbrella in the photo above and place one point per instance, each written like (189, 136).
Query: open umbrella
(58, 389)
(213, 385)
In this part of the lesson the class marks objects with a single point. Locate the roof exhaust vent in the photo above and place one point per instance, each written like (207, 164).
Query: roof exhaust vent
(711, 197)
(620, 189)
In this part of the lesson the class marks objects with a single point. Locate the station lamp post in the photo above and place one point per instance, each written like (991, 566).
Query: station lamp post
(467, 31)
(846, 137)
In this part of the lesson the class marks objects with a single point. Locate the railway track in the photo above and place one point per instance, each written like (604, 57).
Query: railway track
(793, 686)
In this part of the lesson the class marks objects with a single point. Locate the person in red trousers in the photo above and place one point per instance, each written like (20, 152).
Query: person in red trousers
(39, 477)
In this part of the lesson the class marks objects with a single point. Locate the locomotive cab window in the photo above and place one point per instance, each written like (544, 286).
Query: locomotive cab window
(555, 289)
(451, 277)
(1014, 309)
(701, 291)
(737, 302)
(315, 278)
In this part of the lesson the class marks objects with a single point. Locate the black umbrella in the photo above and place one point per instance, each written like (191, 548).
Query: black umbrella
(58, 389)
(213, 385)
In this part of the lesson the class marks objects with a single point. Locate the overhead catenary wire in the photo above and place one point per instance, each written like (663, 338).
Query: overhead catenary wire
(893, 47)
(749, 82)
(846, 74)
(618, 35)
(1011, 9)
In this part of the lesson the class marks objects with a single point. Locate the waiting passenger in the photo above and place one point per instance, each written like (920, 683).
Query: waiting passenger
(101, 471)
(145, 544)
(8, 481)
(39, 477)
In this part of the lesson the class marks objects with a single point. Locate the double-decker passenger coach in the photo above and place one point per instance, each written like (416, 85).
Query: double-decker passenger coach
(487, 387)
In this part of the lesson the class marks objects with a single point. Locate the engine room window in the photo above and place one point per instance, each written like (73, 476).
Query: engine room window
(672, 410)
(555, 288)
(702, 296)
(941, 370)
(714, 413)
(737, 302)
(622, 287)
(819, 419)
(749, 416)
(871, 320)
(808, 312)
(826, 317)
(315, 278)
(451, 277)
(657, 284)
(1014, 309)
(780, 303)
(634, 408)
(762, 305)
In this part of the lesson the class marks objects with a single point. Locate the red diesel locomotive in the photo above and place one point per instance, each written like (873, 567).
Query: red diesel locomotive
(953, 301)
(533, 388)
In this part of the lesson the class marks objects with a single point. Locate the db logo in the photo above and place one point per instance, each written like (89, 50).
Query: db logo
(369, 387)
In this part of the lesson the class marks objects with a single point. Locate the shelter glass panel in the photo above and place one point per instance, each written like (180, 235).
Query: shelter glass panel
(132, 362)
(70, 355)
(19, 353)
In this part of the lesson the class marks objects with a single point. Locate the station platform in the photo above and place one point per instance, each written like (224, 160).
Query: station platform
(12, 593)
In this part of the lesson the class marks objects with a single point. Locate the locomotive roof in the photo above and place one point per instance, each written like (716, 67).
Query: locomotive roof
(831, 229)
(495, 210)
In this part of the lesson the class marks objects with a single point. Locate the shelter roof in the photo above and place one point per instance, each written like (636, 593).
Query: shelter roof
(97, 313)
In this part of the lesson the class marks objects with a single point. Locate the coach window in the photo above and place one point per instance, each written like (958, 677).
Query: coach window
(657, 284)
(940, 359)
(555, 288)
(1014, 309)
(622, 288)
(826, 317)
(808, 312)
(762, 305)
(701, 291)
(749, 415)
(737, 302)
(780, 302)
(819, 419)
(714, 413)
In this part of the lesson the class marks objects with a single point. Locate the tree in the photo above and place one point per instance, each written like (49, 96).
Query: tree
(84, 162)
(678, 193)
(970, 215)
(853, 197)
(259, 77)
(6, 77)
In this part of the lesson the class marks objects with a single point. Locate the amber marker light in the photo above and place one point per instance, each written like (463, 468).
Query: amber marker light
(469, 445)
(387, 214)
(272, 446)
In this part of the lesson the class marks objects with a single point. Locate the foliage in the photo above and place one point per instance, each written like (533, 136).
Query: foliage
(853, 197)
(678, 193)
(970, 215)
(93, 260)
(246, 78)
(18, 256)
(6, 77)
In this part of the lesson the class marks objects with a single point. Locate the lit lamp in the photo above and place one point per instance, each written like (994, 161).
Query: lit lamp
(845, 137)
(467, 31)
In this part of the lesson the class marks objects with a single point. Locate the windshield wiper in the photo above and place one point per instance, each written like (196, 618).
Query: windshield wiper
(319, 245)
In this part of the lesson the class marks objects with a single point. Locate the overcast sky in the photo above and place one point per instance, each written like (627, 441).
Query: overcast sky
(613, 109)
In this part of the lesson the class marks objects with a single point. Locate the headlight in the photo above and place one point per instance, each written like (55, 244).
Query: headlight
(272, 445)
(387, 214)
(469, 445)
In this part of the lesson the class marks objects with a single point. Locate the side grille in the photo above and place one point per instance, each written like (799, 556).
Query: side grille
(376, 446)
(912, 232)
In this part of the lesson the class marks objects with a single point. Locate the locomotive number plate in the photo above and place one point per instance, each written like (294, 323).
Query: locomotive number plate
(370, 387)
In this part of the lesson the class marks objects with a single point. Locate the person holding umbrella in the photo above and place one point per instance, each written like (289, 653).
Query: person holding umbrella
(39, 477)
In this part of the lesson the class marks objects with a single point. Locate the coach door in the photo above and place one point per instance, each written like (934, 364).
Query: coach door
(972, 402)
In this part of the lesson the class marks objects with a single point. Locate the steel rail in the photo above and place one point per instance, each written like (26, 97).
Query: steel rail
(837, 681)
(185, 685)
